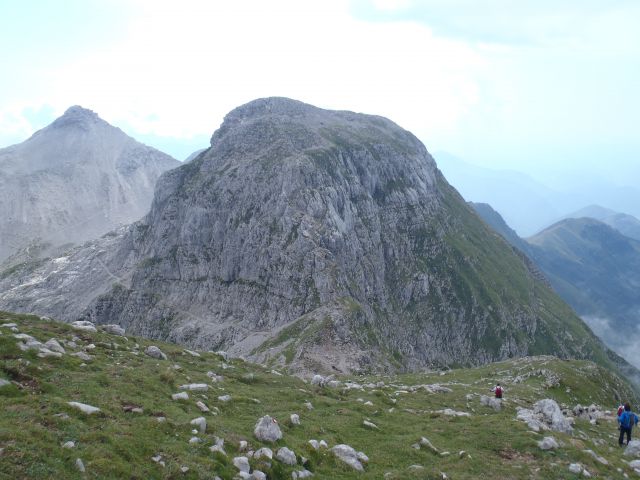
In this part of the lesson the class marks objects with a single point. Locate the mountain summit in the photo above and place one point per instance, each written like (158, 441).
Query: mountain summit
(323, 240)
(74, 180)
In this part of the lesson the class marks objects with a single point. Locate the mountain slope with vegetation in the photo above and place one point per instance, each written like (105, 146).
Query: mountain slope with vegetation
(141, 432)
(593, 267)
(316, 240)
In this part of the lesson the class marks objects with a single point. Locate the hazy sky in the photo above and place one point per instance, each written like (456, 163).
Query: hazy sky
(544, 87)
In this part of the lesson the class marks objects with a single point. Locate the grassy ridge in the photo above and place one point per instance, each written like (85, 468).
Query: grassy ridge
(119, 444)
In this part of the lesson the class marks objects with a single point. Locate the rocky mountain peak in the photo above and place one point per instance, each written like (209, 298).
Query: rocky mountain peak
(317, 239)
(77, 116)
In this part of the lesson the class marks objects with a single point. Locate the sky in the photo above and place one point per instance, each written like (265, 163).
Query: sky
(548, 88)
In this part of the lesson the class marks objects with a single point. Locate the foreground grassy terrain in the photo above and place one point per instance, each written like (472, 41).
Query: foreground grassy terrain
(36, 419)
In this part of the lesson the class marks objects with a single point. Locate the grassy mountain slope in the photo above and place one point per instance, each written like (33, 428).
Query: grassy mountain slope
(118, 444)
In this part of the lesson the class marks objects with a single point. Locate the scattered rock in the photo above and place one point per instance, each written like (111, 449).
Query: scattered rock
(113, 329)
(633, 449)
(308, 405)
(201, 423)
(548, 443)
(286, 456)
(4, 382)
(192, 353)
(83, 356)
(242, 464)
(424, 442)
(158, 460)
(218, 446)
(348, 455)
(84, 326)
(267, 429)
(84, 408)
(194, 440)
(295, 419)
(492, 402)
(224, 398)
(314, 444)
(53, 345)
(180, 396)
(195, 387)
(80, 465)
(68, 444)
(203, 408)
(598, 458)
(371, 425)
(243, 445)
(45, 352)
(184, 469)
(453, 413)
(263, 452)
(575, 468)
(301, 474)
(155, 352)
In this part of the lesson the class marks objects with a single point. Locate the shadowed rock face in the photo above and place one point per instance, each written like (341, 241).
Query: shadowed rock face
(74, 180)
(321, 239)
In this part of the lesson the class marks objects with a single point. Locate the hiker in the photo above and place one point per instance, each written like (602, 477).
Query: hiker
(626, 420)
(498, 390)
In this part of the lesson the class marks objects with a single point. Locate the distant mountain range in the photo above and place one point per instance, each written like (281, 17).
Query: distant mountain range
(626, 224)
(72, 181)
(528, 205)
(593, 266)
(317, 240)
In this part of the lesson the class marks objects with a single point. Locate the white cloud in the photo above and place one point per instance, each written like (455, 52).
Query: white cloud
(625, 343)
(183, 66)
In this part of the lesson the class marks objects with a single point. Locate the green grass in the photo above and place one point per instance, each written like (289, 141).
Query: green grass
(115, 444)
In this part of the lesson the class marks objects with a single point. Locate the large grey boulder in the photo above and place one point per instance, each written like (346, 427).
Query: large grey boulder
(350, 456)
(84, 325)
(267, 429)
(113, 329)
(548, 443)
(545, 415)
(155, 352)
(286, 456)
(491, 402)
(633, 449)
(54, 346)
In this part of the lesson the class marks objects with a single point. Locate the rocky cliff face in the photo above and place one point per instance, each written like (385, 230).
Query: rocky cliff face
(74, 180)
(320, 239)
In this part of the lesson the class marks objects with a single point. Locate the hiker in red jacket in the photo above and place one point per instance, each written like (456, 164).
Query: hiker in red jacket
(498, 391)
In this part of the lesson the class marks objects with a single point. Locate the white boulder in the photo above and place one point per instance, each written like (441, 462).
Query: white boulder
(548, 443)
(286, 456)
(267, 429)
(348, 455)
(84, 408)
(201, 423)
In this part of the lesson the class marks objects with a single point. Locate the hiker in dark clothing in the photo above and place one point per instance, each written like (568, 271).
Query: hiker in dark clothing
(626, 420)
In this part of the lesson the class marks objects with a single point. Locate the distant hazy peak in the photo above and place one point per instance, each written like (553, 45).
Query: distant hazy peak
(78, 116)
